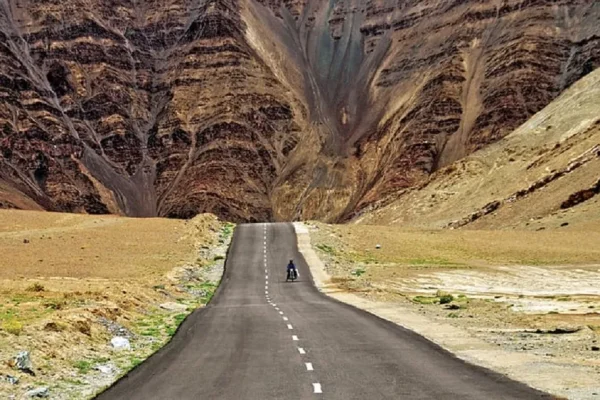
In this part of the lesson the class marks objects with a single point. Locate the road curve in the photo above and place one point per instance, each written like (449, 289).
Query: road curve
(262, 338)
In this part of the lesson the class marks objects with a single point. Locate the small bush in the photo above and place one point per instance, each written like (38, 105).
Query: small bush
(83, 366)
(152, 331)
(217, 258)
(135, 362)
(326, 248)
(171, 330)
(13, 326)
(445, 298)
(36, 287)
(453, 315)
(227, 230)
(179, 318)
(358, 272)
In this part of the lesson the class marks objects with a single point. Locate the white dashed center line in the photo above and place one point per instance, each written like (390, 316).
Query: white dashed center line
(309, 367)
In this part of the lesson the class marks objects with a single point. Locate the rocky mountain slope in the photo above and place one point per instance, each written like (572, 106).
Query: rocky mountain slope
(267, 110)
(546, 174)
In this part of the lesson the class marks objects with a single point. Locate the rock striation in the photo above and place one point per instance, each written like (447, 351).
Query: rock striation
(267, 110)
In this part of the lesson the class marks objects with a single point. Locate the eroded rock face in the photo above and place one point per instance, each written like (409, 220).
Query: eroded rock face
(268, 110)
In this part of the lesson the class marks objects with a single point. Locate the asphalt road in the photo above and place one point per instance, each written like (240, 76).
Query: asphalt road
(262, 338)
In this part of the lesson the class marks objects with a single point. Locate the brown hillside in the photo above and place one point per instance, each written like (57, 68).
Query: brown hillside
(267, 110)
(545, 174)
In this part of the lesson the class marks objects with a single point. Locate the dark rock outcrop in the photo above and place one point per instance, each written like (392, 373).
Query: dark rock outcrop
(581, 196)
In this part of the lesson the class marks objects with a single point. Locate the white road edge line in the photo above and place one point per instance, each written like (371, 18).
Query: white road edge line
(301, 350)
(290, 326)
(309, 367)
(317, 388)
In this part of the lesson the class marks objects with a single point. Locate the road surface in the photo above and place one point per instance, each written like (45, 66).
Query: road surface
(262, 338)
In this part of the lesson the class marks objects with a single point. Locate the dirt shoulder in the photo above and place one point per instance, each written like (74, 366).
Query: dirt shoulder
(523, 305)
(90, 297)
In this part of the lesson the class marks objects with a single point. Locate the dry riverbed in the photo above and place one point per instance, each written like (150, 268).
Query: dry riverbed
(521, 302)
(84, 299)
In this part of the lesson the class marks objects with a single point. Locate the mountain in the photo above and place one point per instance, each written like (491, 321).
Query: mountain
(268, 110)
(546, 174)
